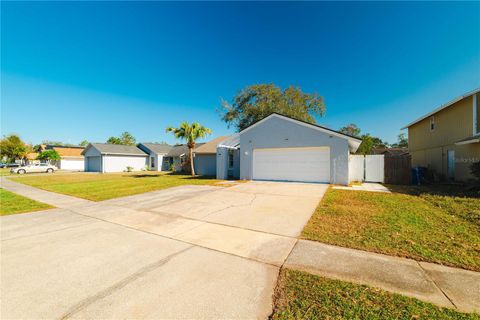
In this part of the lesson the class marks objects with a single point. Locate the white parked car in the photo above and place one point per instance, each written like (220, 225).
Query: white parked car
(39, 167)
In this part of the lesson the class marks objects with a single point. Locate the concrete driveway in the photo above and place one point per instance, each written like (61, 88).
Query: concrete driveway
(186, 252)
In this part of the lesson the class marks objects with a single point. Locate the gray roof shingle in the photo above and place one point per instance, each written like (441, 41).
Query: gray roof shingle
(158, 147)
(180, 149)
(105, 148)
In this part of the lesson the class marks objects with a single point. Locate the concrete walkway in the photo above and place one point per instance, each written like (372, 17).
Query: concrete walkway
(51, 198)
(366, 186)
(444, 286)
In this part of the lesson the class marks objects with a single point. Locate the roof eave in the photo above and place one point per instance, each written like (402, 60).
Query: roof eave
(443, 106)
(474, 140)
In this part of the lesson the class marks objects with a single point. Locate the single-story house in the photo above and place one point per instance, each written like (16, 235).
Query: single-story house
(177, 157)
(71, 158)
(104, 157)
(157, 153)
(205, 157)
(31, 158)
(284, 149)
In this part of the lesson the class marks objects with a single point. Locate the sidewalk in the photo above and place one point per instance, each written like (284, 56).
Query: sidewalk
(51, 198)
(444, 286)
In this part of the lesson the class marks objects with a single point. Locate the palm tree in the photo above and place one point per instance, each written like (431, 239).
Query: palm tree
(190, 133)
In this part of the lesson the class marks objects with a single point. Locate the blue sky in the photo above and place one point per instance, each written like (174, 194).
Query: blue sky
(74, 71)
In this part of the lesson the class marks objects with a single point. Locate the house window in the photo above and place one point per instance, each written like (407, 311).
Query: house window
(230, 158)
(152, 162)
(432, 123)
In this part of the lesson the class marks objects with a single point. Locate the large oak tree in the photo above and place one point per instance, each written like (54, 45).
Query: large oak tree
(256, 102)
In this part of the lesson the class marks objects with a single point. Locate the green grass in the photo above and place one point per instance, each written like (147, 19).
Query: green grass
(98, 187)
(5, 172)
(411, 222)
(300, 295)
(11, 203)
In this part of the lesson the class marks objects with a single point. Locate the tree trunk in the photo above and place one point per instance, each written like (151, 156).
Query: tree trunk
(190, 151)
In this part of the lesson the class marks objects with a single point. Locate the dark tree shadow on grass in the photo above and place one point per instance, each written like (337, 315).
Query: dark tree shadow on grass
(439, 189)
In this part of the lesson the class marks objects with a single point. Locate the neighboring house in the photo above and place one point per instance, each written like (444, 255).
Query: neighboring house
(71, 157)
(157, 153)
(104, 157)
(31, 158)
(205, 157)
(391, 151)
(447, 140)
(178, 157)
(284, 149)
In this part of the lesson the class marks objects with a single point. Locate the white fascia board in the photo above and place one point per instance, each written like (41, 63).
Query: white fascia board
(227, 147)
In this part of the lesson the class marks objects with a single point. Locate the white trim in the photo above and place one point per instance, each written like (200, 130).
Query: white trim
(468, 94)
(227, 147)
(474, 140)
(475, 124)
(308, 125)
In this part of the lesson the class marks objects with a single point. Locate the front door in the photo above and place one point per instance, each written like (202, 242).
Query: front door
(451, 164)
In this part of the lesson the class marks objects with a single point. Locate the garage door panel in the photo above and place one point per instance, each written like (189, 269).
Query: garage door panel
(292, 164)
(94, 164)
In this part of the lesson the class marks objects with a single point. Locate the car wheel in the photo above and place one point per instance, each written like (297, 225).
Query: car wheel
(21, 171)
(49, 170)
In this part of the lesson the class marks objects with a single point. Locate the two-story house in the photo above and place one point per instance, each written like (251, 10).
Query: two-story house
(447, 140)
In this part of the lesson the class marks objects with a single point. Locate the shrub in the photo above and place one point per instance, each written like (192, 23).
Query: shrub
(49, 155)
(475, 169)
(129, 169)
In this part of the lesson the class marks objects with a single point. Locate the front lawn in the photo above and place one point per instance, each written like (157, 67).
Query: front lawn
(11, 203)
(5, 172)
(300, 295)
(411, 222)
(98, 187)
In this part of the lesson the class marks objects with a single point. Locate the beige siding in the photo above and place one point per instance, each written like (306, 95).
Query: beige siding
(478, 112)
(451, 124)
(429, 147)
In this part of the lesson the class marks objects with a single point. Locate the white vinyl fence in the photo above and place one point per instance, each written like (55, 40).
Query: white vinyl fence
(368, 168)
(356, 168)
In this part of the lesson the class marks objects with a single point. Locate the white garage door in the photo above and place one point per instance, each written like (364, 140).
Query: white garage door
(292, 164)
(72, 164)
